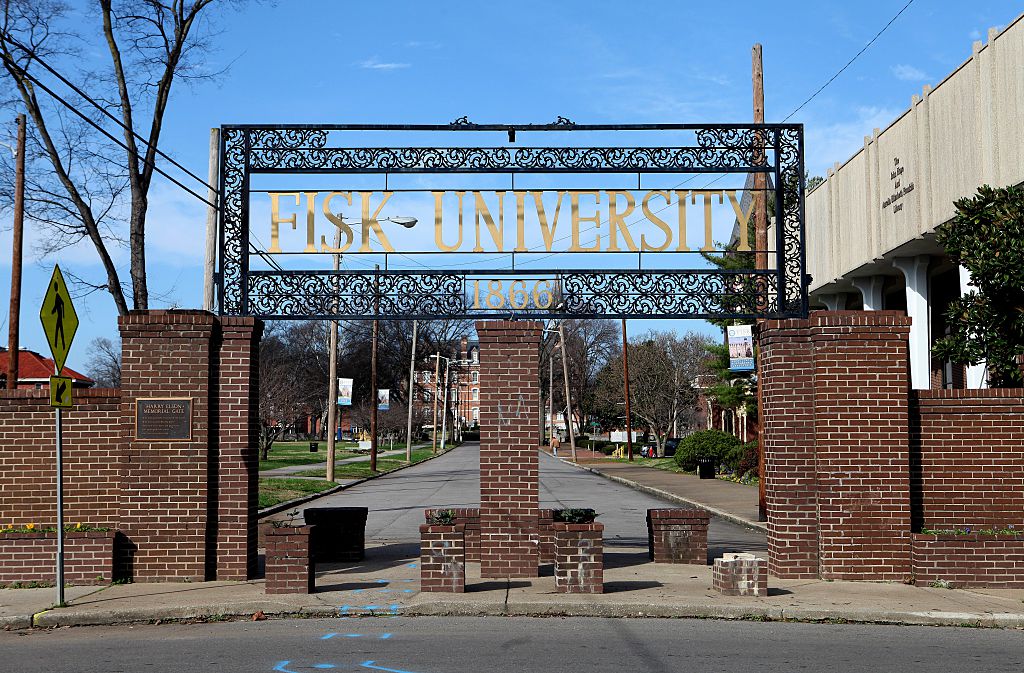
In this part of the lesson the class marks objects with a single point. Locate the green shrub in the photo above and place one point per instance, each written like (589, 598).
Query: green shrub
(741, 459)
(442, 517)
(705, 444)
(574, 515)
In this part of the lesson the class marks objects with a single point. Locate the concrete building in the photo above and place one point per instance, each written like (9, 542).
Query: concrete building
(871, 224)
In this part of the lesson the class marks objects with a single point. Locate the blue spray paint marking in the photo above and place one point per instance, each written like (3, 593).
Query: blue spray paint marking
(382, 581)
(345, 608)
(370, 664)
(280, 668)
(328, 636)
(385, 636)
(412, 565)
(408, 591)
(324, 666)
(394, 608)
(385, 591)
(371, 607)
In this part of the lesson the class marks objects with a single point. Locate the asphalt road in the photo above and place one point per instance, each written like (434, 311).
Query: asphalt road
(396, 501)
(523, 645)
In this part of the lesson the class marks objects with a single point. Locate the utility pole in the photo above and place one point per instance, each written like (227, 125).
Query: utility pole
(332, 377)
(444, 407)
(412, 395)
(761, 260)
(373, 375)
(625, 385)
(551, 397)
(568, 400)
(437, 391)
(211, 223)
(14, 322)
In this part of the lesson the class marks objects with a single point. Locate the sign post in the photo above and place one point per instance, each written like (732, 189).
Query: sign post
(60, 322)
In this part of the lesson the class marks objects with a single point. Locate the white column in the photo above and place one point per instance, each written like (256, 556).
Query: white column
(915, 271)
(976, 374)
(834, 302)
(871, 289)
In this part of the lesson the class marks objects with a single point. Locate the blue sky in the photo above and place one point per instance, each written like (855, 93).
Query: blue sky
(593, 62)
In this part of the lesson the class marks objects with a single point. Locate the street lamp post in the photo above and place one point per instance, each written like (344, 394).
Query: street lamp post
(444, 406)
(568, 400)
(412, 388)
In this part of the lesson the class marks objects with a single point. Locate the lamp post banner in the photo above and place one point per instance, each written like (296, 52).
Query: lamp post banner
(491, 221)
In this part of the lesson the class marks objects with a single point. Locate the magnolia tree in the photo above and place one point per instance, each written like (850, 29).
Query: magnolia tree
(986, 237)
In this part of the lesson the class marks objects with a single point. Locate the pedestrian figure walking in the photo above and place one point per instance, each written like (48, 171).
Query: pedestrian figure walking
(555, 443)
(58, 308)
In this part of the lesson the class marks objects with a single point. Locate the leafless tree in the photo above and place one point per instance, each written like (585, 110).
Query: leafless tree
(104, 364)
(78, 181)
(591, 345)
(284, 393)
(662, 369)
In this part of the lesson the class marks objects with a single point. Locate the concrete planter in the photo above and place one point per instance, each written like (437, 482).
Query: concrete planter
(579, 557)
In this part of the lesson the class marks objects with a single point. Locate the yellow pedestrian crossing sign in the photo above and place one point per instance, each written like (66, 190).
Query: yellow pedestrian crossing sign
(60, 322)
(60, 391)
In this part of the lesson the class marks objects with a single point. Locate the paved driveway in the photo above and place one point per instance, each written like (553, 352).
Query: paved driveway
(396, 501)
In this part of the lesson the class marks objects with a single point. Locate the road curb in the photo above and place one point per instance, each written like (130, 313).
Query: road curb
(651, 490)
(282, 506)
(755, 611)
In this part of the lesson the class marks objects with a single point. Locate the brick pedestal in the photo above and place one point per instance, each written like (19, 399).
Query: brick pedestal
(509, 407)
(678, 535)
(579, 558)
(740, 575)
(289, 562)
(469, 519)
(442, 558)
(546, 536)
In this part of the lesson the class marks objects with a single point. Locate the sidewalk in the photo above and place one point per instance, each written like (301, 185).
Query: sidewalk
(727, 499)
(292, 469)
(387, 583)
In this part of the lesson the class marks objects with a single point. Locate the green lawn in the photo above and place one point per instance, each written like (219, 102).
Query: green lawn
(361, 469)
(276, 490)
(286, 454)
(667, 464)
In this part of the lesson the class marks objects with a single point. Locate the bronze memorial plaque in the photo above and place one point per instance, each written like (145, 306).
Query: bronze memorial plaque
(163, 418)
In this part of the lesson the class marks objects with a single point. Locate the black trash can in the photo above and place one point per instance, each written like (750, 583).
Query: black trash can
(339, 533)
(706, 468)
(314, 447)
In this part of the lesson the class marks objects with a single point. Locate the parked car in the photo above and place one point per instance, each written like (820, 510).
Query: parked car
(671, 444)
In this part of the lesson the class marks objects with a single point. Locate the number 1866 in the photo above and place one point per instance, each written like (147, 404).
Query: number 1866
(517, 295)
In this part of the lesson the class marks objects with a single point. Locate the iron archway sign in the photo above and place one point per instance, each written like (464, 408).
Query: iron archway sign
(488, 247)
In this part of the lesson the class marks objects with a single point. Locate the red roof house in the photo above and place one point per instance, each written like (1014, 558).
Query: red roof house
(34, 371)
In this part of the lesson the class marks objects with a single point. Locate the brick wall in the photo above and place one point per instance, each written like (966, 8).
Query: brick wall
(861, 431)
(469, 519)
(510, 395)
(186, 509)
(967, 462)
(32, 557)
(993, 561)
(579, 558)
(789, 460)
(92, 458)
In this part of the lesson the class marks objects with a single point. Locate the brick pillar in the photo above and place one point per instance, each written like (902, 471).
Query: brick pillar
(237, 467)
(289, 565)
(861, 433)
(579, 558)
(509, 401)
(164, 484)
(678, 535)
(443, 558)
(788, 433)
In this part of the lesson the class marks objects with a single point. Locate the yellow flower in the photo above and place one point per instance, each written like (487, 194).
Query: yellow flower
(78, 526)
(30, 526)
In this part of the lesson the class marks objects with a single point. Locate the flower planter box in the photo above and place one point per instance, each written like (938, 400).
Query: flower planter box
(963, 561)
(32, 557)
(678, 535)
(469, 519)
(579, 558)
(289, 562)
(443, 558)
(339, 533)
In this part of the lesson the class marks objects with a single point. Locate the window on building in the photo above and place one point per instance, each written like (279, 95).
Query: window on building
(476, 377)
(476, 393)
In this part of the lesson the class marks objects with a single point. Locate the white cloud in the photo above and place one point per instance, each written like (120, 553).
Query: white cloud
(373, 63)
(418, 44)
(974, 34)
(838, 141)
(908, 73)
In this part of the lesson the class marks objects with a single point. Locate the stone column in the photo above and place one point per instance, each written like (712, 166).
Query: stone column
(509, 397)
(861, 439)
(165, 483)
(787, 380)
(834, 302)
(915, 271)
(871, 290)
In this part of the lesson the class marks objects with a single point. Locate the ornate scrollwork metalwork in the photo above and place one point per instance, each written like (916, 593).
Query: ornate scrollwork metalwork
(774, 148)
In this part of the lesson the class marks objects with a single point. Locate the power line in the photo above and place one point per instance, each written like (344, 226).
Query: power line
(850, 62)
